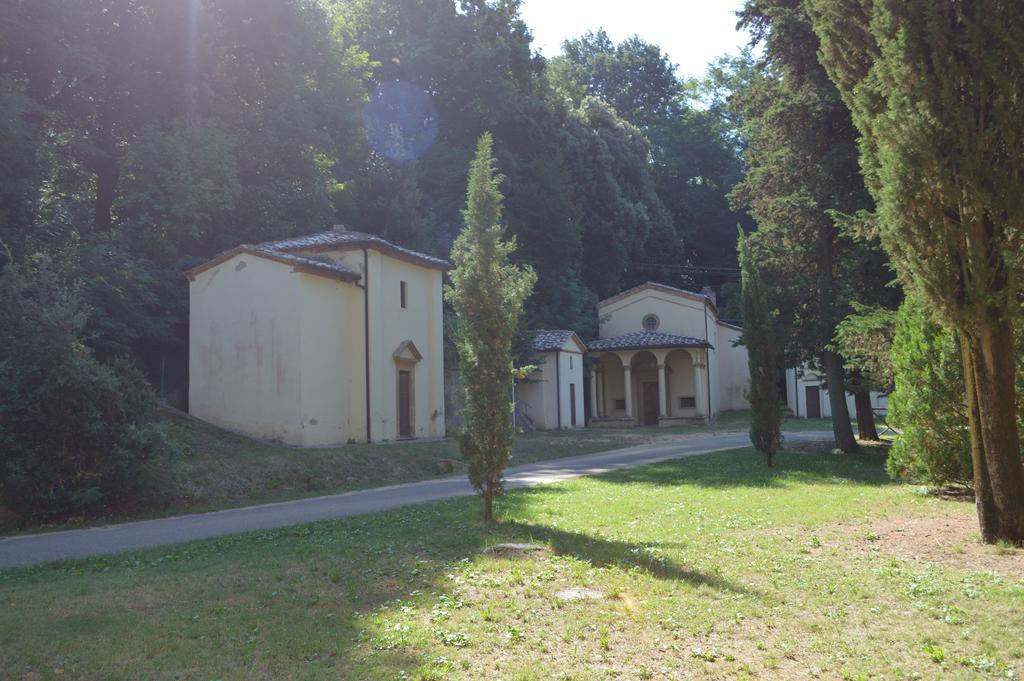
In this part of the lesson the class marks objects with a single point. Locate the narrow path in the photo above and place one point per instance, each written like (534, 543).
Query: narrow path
(24, 550)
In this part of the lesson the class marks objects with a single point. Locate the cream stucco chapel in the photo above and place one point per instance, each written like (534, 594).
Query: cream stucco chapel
(337, 337)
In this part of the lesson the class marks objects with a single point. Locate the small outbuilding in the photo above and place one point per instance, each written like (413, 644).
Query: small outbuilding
(807, 397)
(552, 396)
(323, 339)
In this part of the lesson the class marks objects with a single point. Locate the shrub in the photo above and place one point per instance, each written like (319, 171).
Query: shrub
(928, 404)
(73, 430)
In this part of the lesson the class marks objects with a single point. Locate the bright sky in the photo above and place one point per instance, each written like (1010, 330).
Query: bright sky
(691, 32)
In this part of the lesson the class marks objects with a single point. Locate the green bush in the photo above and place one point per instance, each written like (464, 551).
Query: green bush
(73, 430)
(928, 404)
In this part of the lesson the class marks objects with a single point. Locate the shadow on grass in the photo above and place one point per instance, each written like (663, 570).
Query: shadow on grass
(603, 552)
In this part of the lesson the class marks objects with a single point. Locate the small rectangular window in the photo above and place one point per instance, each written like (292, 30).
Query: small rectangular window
(620, 405)
(404, 299)
(570, 361)
(687, 402)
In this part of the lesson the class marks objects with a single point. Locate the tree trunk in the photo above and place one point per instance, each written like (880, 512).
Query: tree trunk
(769, 456)
(834, 373)
(865, 415)
(841, 427)
(990, 376)
(489, 503)
(988, 518)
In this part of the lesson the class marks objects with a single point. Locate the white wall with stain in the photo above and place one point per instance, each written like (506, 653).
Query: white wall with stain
(245, 352)
(281, 354)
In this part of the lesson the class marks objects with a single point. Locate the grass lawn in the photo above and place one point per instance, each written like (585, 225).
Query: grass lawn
(709, 567)
(211, 469)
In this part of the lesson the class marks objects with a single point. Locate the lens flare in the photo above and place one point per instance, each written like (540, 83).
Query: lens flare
(401, 121)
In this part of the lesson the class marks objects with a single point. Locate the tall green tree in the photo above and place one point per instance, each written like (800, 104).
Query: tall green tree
(635, 77)
(487, 292)
(141, 135)
(762, 355)
(935, 93)
(619, 207)
(864, 339)
(474, 60)
(801, 162)
(694, 158)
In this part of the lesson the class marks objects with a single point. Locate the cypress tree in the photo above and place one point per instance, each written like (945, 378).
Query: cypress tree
(487, 292)
(801, 165)
(935, 93)
(762, 354)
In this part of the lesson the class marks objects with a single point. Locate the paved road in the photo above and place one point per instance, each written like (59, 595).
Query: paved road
(32, 549)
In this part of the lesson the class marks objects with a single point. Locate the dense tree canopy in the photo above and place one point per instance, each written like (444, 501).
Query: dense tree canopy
(934, 89)
(138, 137)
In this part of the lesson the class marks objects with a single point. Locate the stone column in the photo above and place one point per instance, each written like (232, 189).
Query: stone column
(662, 391)
(593, 395)
(627, 381)
(700, 386)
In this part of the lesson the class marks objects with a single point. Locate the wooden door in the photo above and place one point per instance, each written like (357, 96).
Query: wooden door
(650, 397)
(813, 395)
(404, 405)
(572, 403)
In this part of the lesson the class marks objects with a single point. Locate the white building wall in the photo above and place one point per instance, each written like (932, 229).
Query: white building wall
(734, 370)
(796, 395)
(545, 396)
(570, 371)
(245, 348)
(333, 384)
(281, 355)
(677, 314)
(390, 325)
(535, 396)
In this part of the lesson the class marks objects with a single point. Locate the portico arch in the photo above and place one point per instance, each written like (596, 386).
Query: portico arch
(639, 378)
(682, 388)
(647, 407)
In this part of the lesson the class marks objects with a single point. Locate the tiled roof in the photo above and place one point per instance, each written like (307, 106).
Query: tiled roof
(647, 340)
(300, 262)
(341, 238)
(649, 285)
(550, 339)
(321, 264)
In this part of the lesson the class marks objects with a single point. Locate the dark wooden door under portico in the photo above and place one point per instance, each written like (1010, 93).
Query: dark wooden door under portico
(650, 398)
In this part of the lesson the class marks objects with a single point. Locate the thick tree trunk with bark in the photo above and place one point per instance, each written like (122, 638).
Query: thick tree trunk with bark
(841, 427)
(988, 517)
(865, 415)
(989, 374)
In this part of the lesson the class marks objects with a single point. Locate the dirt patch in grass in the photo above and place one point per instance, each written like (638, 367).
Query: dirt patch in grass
(949, 540)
